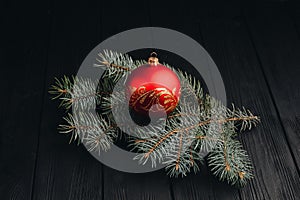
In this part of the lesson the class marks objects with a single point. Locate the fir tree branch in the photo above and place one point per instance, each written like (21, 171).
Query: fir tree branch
(193, 127)
(230, 162)
(76, 92)
(61, 88)
(160, 142)
(220, 121)
(107, 64)
(94, 130)
(179, 152)
(117, 64)
(194, 120)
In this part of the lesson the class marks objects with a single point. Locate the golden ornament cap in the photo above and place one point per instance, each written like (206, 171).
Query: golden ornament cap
(153, 60)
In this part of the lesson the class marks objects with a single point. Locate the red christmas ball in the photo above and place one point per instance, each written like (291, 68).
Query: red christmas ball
(153, 85)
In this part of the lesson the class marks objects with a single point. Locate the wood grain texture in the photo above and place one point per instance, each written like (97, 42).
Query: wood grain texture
(293, 9)
(228, 42)
(257, 52)
(278, 46)
(67, 171)
(23, 62)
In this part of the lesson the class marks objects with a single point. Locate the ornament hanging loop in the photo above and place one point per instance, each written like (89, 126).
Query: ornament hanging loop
(153, 60)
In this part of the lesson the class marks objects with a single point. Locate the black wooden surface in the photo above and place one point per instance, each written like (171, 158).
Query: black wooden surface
(256, 48)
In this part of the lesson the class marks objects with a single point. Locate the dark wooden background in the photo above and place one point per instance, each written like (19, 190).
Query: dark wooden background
(256, 47)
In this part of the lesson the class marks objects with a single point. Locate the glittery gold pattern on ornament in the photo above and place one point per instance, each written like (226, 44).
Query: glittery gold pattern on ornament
(146, 96)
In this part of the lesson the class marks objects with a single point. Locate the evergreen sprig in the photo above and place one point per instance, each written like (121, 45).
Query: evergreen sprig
(75, 91)
(200, 124)
(94, 130)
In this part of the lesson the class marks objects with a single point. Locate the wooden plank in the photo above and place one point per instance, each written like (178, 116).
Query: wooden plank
(227, 41)
(120, 185)
(67, 171)
(294, 12)
(23, 64)
(202, 185)
(278, 47)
